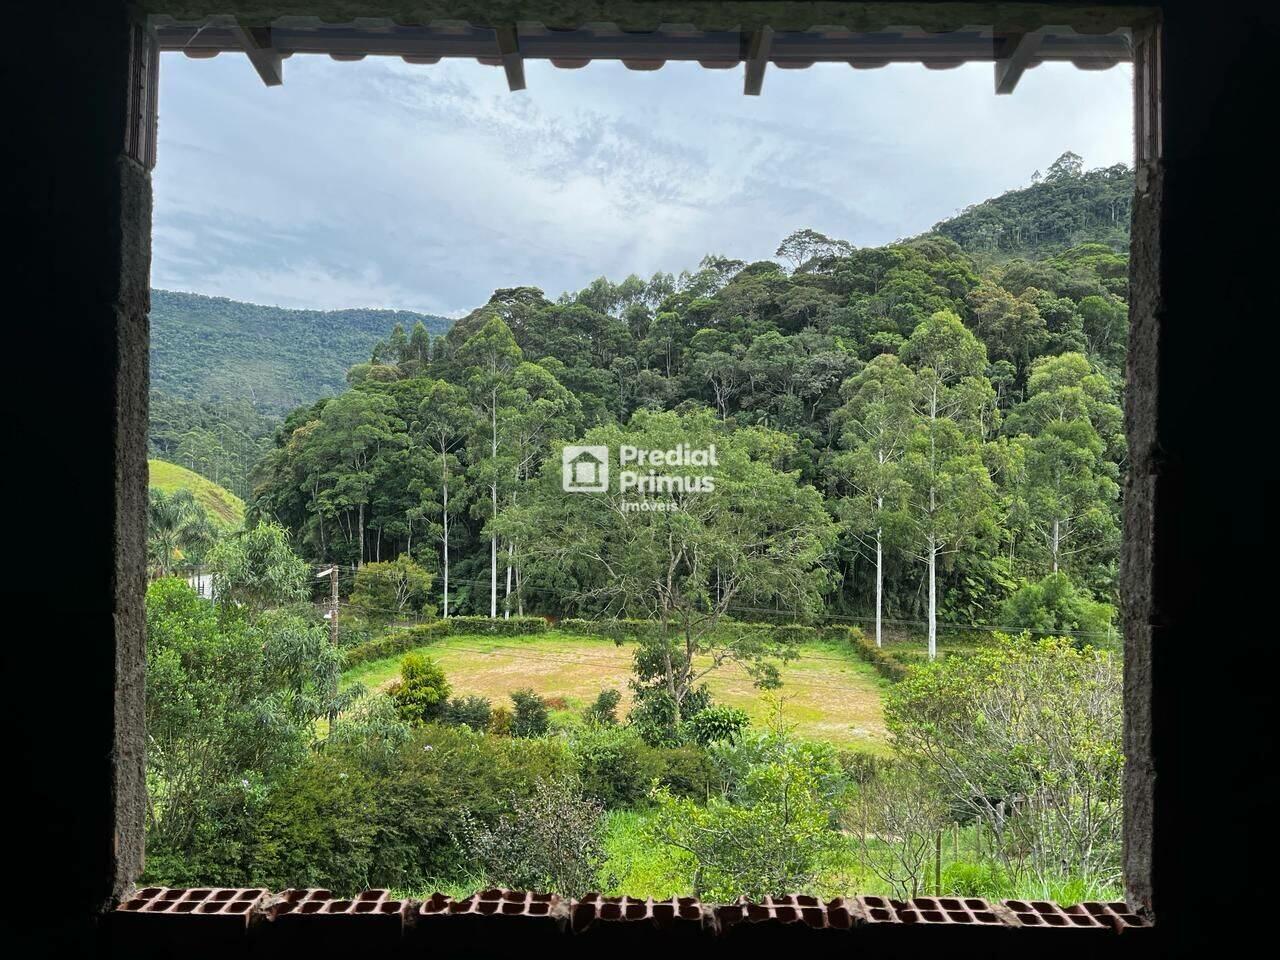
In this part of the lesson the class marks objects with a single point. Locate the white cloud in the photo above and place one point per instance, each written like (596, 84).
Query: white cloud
(380, 183)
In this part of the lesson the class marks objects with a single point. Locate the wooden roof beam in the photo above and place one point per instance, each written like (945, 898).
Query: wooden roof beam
(256, 43)
(512, 59)
(1020, 49)
(757, 58)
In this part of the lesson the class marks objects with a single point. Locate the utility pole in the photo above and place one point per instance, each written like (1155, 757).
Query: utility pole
(332, 614)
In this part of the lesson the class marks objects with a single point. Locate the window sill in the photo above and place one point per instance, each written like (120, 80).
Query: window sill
(215, 920)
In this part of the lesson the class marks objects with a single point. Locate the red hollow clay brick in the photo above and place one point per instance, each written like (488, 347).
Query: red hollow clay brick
(1116, 913)
(1041, 914)
(316, 919)
(798, 910)
(596, 912)
(878, 910)
(954, 911)
(185, 920)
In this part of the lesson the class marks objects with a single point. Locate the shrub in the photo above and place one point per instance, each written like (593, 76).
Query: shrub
(442, 776)
(716, 724)
(884, 662)
(615, 766)
(498, 627)
(686, 771)
(604, 711)
(473, 712)
(422, 692)
(317, 829)
(530, 717)
(552, 840)
(396, 642)
(1026, 736)
(500, 722)
(1056, 607)
(735, 762)
(772, 842)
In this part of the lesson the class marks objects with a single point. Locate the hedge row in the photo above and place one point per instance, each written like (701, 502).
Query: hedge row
(396, 642)
(881, 659)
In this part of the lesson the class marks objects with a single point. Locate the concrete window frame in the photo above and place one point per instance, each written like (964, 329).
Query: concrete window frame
(86, 208)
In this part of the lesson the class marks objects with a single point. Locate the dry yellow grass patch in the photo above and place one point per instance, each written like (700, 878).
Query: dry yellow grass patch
(826, 694)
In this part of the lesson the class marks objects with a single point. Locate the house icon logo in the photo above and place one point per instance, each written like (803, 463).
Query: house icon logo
(584, 469)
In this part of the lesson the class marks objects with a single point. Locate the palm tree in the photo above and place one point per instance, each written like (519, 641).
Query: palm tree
(176, 525)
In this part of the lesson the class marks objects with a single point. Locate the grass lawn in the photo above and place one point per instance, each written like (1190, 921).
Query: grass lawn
(826, 694)
(226, 510)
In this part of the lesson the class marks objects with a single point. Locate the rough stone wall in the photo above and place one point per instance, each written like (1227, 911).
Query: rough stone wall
(1194, 584)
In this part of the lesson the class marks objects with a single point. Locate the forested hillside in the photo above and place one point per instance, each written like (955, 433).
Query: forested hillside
(215, 349)
(949, 432)
(223, 373)
(1066, 207)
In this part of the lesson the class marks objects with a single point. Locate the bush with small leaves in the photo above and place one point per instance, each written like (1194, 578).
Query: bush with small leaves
(717, 725)
(604, 711)
(552, 840)
(474, 712)
(499, 722)
(530, 719)
(422, 692)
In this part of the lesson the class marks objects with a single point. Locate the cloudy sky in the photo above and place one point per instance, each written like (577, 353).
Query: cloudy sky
(383, 184)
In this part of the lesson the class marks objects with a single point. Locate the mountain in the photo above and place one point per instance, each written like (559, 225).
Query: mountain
(215, 349)
(1067, 207)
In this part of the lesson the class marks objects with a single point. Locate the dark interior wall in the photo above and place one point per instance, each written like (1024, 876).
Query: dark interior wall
(1195, 565)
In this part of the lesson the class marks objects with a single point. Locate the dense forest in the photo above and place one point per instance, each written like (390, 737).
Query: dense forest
(223, 373)
(215, 349)
(957, 415)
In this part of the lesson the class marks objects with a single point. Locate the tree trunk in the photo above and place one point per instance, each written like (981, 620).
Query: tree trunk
(1053, 549)
(493, 497)
(933, 597)
(360, 531)
(506, 600)
(446, 545)
(879, 582)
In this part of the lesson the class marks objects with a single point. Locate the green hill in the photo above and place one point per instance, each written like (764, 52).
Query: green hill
(213, 349)
(1067, 207)
(224, 507)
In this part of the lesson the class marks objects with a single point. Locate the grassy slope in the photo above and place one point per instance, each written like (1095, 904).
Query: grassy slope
(827, 694)
(225, 508)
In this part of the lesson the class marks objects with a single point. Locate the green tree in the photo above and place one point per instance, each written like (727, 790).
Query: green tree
(951, 498)
(391, 589)
(177, 529)
(530, 718)
(445, 421)
(1025, 736)
(1055, 606)
(773, 839)
(757, 536)
(421, 694)
(256, 569)
(490, 356)
(230, 704)
(878, 421)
